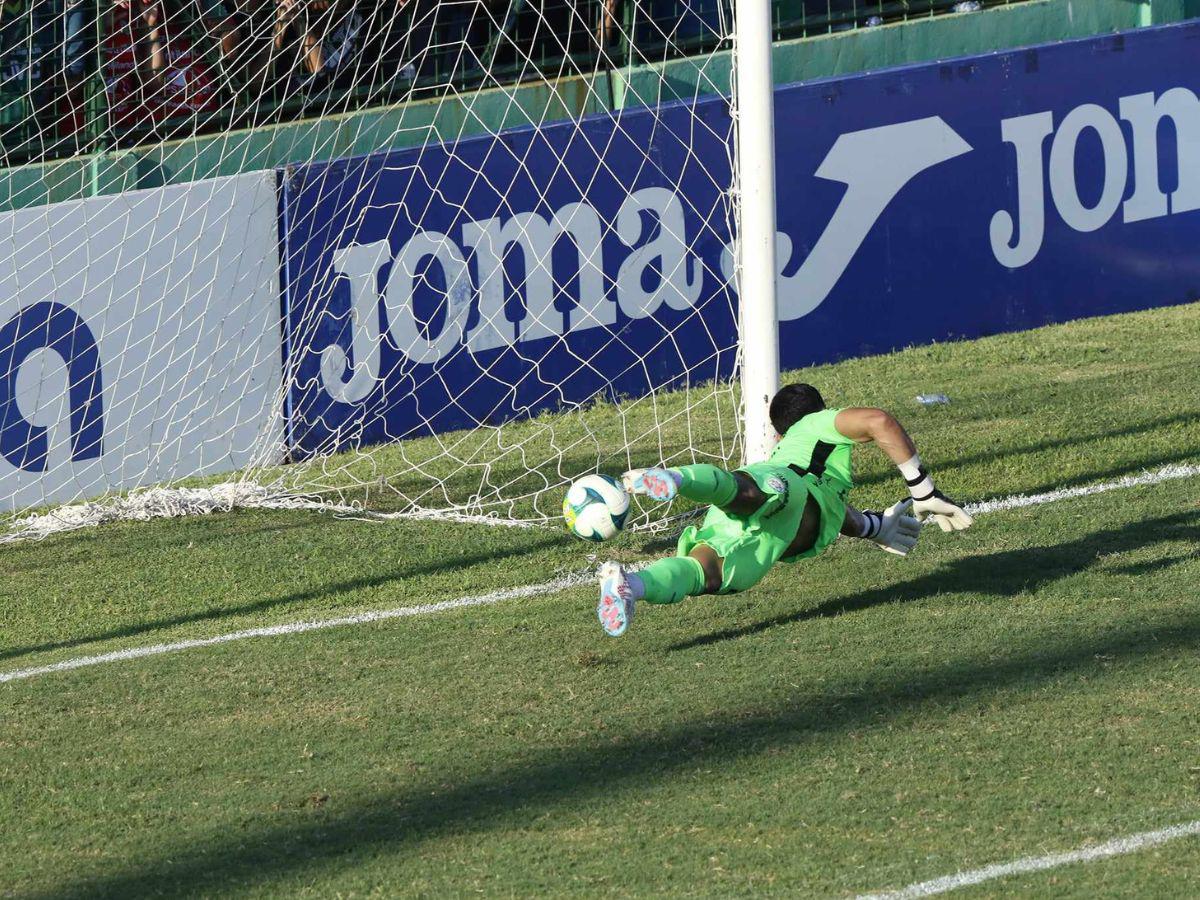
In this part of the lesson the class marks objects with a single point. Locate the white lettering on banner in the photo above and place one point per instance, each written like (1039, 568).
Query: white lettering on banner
(360, 263)
(661, 268)
(536, 236)
(909, 148)
(666, 250)
(42, 388)
(1144, 114)
(1026, 134)
(1063, 186)
(855, 160)
(398, 299)
(489, 241)
(595, 308)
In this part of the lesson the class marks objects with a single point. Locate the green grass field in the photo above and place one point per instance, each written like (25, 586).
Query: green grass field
(854, 724)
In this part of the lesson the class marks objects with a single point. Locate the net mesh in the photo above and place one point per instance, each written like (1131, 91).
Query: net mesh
(143, 343)
(434, 323)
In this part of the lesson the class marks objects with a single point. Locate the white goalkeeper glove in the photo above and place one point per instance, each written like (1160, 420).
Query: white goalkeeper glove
(894, 530)
(929, 502)
(948, 514)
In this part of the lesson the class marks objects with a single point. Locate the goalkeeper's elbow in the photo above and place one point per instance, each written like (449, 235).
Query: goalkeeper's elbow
(880, 423)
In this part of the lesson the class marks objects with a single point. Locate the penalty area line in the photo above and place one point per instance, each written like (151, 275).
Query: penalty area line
(1167, 473)
(1158, 476)
(1116, 847)
(78, 662)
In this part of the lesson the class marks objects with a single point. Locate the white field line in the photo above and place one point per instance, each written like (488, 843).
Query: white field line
(78, 662)
(1167, 473)
(1116, 847)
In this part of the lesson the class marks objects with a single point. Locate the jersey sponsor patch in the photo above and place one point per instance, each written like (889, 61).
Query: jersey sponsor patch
(777, 484)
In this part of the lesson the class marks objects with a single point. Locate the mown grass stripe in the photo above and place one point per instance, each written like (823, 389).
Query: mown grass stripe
(1167, 473)
(78, 662)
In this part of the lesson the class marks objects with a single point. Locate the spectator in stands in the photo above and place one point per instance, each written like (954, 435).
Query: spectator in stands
(300, 27)
(219, 21)
(247, 37)
(397, 36)
(607, 27)
(341, 47)
(14, 25)
(78, 59)
(316, 38)
(147, 19)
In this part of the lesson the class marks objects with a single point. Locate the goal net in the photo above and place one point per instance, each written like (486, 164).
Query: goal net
(407, 258)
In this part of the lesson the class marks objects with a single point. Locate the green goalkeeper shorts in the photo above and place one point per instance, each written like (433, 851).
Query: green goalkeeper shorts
(751, 544)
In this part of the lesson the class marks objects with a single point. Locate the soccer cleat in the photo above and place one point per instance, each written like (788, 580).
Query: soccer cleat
(657, 484)
(615, 609)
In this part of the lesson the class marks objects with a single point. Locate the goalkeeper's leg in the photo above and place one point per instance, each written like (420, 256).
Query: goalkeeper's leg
(667, 580)
(728, 553)
(735, 492)
(671, 580)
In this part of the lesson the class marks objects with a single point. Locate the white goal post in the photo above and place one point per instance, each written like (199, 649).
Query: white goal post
(755, 136)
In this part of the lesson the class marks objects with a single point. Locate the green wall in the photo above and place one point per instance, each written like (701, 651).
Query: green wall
(937, 38)
(443, 119)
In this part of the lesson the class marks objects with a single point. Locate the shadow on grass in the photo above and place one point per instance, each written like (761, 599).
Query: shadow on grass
(1005, 452)
(1002, 574)
(249, 858)
(320, 592)
(1157, 565)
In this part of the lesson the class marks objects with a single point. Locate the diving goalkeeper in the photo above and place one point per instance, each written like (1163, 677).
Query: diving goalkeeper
(786, 509)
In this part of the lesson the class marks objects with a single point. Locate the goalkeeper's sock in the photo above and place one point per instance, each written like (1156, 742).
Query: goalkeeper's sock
(707, 484)
(668, 580)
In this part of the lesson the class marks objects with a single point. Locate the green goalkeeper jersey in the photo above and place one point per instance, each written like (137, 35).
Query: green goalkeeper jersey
(750, 545)
(815, 445)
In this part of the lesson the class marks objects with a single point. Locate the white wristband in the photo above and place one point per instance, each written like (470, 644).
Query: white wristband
(872, 522)
(920, 485)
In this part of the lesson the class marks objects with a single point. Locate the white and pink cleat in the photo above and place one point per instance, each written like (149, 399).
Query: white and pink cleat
(615, 609)
(657, 484)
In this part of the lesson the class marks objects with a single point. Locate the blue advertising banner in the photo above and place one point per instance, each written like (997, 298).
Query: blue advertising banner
(493, 278)
(451, 285)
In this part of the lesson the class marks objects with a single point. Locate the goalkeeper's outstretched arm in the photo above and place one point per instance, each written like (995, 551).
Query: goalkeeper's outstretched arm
(867, 424)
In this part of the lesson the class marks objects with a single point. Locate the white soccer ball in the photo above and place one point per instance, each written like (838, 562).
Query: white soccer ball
(595, 507)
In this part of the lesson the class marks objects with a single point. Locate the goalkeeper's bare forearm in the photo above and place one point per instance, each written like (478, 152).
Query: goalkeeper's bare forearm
(872, 425)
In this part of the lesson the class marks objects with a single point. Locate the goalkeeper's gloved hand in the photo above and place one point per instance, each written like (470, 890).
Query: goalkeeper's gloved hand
(896, 530)
(946, 512)
(929, 502)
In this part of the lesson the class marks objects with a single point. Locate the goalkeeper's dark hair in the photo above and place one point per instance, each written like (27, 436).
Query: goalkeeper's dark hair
(793, 403)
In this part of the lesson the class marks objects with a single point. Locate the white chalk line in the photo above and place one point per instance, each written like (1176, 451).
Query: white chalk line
(1158, 476)
(1167, 473)
(78, 662)
(1116, 847)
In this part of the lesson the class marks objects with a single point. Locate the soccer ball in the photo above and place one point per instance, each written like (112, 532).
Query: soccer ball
(595, 507)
